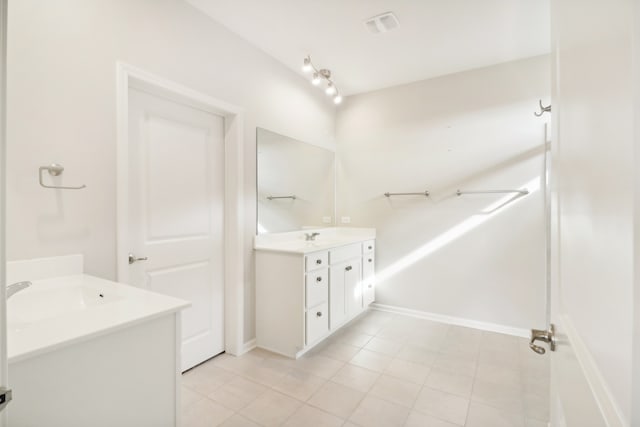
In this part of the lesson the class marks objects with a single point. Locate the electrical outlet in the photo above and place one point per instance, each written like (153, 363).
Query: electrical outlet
(345, 220)
(326, 220)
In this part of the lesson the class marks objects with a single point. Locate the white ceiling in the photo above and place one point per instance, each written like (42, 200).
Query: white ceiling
(435, 37)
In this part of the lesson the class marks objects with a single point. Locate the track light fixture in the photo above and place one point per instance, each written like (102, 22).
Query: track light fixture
(318, 76)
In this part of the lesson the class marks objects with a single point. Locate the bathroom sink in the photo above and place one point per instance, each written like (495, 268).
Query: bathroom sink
(296, 242)
(58, 311)
(45, 302)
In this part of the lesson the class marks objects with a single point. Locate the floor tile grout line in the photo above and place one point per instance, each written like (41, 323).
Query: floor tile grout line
(379, 327)
(437, 417)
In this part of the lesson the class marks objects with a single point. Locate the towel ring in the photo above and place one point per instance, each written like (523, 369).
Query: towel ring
(55, 169)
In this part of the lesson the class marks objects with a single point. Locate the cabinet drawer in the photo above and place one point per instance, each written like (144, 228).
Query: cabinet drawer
(317, 287)
(345, 253)
(368, 267)
(317, 323)
(316, 260)
(369, 246)
(368, 293)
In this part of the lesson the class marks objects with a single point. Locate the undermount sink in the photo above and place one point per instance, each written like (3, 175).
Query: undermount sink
(296, 241)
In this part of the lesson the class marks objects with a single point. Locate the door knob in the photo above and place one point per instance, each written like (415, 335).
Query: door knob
(548, 336)
(133, 258)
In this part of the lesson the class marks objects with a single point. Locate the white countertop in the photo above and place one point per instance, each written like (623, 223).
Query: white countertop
(294, 242)
(59, 311)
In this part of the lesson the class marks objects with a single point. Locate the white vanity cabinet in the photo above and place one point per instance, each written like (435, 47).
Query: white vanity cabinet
(303, 294)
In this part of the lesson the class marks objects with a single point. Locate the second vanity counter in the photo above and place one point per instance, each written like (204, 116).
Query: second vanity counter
(306, 290)
(327, 238)
(79, 345)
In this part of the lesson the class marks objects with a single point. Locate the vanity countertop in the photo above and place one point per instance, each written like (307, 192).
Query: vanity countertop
(59, 311)
(295, 242)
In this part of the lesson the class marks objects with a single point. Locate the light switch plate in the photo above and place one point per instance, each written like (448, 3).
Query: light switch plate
(345, 220)
(326, 220)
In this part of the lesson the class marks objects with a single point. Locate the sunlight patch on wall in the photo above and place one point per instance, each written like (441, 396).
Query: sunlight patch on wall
(456, 231)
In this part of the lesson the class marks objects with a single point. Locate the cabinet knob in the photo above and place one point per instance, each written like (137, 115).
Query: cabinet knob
(370, 260)
(370, 247)
(348, 268)
(370, 286)
(319, 279)
(318, 261)
(319, 314)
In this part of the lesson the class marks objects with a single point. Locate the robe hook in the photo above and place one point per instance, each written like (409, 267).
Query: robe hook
(543, 109)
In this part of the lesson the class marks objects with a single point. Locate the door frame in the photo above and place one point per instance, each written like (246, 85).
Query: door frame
(129, 77)
(3, 207)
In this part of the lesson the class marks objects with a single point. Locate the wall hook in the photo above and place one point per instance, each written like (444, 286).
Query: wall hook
(55, 169)
(543, 109)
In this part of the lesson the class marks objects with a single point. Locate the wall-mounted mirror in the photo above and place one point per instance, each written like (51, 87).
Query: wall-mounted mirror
(296, 184)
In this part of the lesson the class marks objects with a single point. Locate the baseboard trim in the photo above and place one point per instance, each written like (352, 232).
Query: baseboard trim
(609, 409)
(248, 346)
(459, 321)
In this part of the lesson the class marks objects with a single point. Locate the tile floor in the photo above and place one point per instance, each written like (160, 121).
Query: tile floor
(382, 370)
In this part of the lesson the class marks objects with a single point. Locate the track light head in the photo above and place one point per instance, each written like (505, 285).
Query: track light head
(306, 65)
(331, 89)
(316, 79)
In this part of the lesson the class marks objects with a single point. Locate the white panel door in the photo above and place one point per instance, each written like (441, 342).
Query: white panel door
(595, 214)
(176, 194)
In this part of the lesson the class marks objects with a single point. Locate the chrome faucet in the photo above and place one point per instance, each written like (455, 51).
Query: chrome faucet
(17, 287)
(310, 236)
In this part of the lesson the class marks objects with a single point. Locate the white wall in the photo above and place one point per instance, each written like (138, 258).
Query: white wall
(473, 130)
(594, 153)
(61, 108)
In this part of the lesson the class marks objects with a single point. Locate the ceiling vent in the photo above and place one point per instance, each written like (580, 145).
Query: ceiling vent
(382, 23)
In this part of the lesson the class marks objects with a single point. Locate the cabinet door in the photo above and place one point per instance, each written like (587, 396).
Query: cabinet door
(337, 308)
(345, 291)
(353, 287)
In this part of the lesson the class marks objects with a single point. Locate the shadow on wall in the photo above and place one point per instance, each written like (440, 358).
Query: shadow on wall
(478, 256)
(457, 231)
(523, 163)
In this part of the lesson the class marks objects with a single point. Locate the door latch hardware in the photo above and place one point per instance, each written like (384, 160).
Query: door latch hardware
(548, 336)
(5, 397)
(133, 258)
